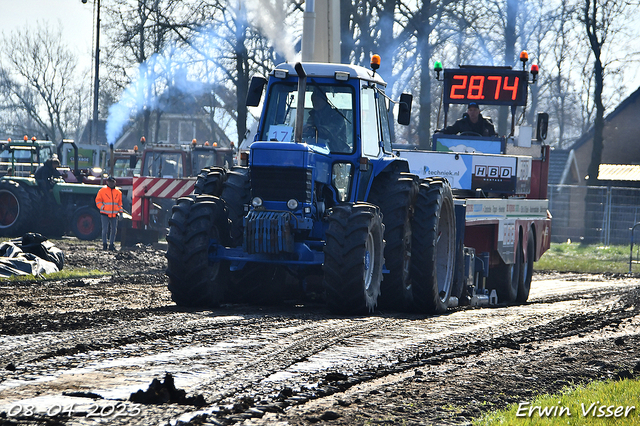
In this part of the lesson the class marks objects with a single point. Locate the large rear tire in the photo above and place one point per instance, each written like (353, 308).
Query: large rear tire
(210, 181)
(433, 247)
(16, 210)
(86, 223)
(353, 258)
(395, 194)
(526, 272)
(193, 280)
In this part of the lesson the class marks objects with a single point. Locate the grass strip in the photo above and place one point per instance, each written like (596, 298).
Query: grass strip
(597, 403)
(62, 275)
(580, 258)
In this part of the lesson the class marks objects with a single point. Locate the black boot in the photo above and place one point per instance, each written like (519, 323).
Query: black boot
(112, 247)
(104, 246)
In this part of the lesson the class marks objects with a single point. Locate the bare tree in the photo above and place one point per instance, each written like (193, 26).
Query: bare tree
(39, 78)
(426, 21)
(601, 23)
(138, 32)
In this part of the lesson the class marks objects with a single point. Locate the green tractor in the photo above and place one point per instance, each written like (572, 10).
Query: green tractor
(26, 207)
(22, 158)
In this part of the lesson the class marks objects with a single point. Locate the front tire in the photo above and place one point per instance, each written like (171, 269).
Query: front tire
(353, 258)
(236, 193)
(433, 247)
(193, 280)
(86, 223)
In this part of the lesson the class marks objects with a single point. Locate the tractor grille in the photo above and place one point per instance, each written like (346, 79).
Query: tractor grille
(281, 183)
(267, 232)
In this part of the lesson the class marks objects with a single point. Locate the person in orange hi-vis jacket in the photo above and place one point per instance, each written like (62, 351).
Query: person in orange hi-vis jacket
(109, 202)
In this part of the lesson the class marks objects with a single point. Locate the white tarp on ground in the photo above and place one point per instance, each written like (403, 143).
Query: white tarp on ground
(30, 255)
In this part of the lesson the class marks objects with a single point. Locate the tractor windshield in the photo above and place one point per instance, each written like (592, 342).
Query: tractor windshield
(202, 159)
(328, 115)
(163, 164)
(23, 160)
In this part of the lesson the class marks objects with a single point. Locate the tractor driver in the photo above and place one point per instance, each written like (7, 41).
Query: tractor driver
(45, 174)
(326, 122)
(471, 122)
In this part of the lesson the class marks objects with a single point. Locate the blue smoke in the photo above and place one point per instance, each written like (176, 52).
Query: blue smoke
(191, 70)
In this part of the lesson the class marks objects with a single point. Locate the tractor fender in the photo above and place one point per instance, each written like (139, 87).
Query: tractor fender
(376, 167)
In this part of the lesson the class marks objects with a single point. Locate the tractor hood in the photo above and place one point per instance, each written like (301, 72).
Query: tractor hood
(290, 154)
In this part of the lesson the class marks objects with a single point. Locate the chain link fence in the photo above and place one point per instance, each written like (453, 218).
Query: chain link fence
(593, 214)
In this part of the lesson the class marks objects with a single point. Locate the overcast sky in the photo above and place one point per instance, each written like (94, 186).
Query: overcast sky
(76, 19)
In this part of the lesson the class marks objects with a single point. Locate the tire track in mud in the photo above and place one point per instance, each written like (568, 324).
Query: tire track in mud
(286, 341)
(574, 322)
(231, 357)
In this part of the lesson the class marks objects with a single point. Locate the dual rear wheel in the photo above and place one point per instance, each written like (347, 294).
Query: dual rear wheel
(419, 249)
(513, 281)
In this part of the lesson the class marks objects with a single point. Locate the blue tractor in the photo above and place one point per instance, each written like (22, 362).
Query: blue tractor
(320, 194)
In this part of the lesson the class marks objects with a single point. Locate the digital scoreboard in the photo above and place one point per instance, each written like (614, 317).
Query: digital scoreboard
(486, 86)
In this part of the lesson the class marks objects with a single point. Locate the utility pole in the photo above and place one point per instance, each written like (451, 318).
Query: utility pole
(321, 31)
(96, 81)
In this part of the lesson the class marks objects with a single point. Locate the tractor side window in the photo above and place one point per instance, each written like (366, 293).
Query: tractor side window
(384, 122)
(5, 161)
(369, 125)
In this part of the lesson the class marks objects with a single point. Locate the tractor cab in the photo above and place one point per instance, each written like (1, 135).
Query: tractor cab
(329, 123)
(183, 160)
(22, 158)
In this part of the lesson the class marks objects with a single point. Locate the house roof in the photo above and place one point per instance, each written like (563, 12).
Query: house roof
(619, 172)
(631, 99)
(557, 164)
(563, 167)
(85, 137)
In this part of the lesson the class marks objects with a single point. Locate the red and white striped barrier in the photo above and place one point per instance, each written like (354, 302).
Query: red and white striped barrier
(148, 187)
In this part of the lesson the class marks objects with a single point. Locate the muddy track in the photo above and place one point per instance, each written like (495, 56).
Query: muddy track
(97, 341)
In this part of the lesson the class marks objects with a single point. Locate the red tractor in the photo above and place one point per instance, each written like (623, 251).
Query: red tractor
(167, 173)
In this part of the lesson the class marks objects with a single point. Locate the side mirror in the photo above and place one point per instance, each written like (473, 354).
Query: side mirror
(255, 91)
(542, 127)
(404, 109)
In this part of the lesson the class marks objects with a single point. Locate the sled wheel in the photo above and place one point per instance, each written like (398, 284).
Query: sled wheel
(395, 194)
(193, 280)
(433, 247)
(526, 272)
(353, 258)
(505, 278)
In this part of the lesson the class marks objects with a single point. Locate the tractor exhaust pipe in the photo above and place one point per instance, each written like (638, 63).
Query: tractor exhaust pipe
(302, 89)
